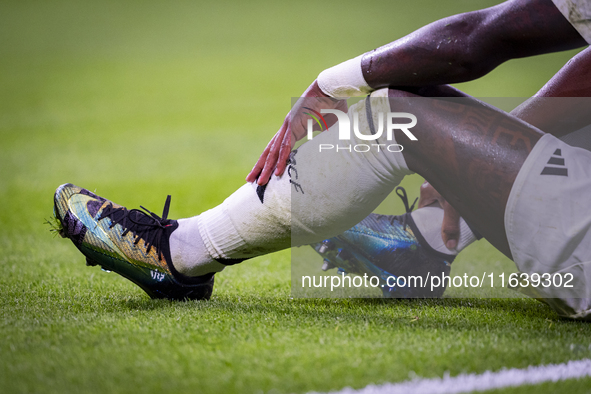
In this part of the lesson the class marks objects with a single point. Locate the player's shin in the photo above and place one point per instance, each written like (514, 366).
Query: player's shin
(323, 193)
(253, 221)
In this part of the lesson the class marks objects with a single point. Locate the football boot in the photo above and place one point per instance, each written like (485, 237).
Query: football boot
(390, 248)
(132, 243)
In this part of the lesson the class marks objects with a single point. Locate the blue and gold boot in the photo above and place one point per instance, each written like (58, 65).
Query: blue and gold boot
(132, 243)
(388, 247)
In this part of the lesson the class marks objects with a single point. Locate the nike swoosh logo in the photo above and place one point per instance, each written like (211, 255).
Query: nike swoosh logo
(77, 204)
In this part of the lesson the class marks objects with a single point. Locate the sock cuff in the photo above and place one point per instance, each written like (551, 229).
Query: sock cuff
(473, 229)
(219, 233)
(467, 235)
(413, 226)
(429, 220)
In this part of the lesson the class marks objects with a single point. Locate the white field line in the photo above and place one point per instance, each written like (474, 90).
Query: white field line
(466, 383)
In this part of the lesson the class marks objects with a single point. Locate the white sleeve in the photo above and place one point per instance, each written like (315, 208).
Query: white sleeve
(578, 13)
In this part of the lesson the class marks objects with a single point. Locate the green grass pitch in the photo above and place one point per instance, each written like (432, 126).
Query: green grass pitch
(140, 99)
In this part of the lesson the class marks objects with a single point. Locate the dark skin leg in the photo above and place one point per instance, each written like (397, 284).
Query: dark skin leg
(558, 108)
(470, 152)
(454, 49)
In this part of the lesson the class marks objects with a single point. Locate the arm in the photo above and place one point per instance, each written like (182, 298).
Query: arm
(467, 46)
(455, 49)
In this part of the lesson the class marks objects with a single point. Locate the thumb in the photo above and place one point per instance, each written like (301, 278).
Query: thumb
(450, 228)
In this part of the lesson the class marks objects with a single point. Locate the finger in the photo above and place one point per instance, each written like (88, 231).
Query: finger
(450, 228)
(287, 145)
(260, 164)
(283, 154)
(271, 161)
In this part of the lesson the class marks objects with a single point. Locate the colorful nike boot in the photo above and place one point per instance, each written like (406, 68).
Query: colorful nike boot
(132, 243)
(390, 248)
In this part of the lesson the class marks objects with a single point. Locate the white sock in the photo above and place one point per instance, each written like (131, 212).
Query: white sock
(251, 222)
(429, 220)
(189, 254)
(321, 195)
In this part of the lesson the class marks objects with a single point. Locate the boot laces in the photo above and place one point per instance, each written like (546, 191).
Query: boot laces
(401, 192)
(143, 225)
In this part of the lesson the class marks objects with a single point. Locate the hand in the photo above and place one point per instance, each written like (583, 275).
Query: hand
(450, 229)
(294, 127)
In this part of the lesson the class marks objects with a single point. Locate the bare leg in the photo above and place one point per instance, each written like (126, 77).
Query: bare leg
(471, 154)
(557, 108)
(470, 151)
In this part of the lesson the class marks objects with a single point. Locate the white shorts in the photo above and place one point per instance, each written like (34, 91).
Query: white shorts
(548, 223)
(578, 13)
